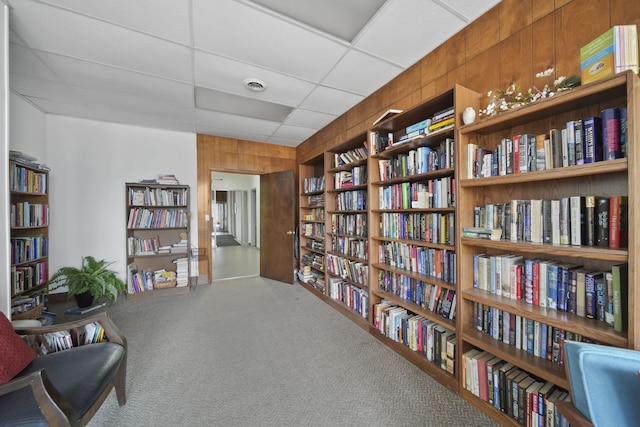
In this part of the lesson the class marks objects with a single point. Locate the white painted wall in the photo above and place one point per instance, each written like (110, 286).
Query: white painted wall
(90, 162)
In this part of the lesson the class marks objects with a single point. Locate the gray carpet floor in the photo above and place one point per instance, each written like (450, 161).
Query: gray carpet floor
(256, 352)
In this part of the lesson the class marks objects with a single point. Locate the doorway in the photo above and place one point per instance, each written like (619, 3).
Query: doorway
(234, 225)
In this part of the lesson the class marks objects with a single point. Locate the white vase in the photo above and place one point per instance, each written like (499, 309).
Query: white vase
(469, 115)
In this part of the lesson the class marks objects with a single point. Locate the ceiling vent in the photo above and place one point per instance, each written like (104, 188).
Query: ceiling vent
(255, 85)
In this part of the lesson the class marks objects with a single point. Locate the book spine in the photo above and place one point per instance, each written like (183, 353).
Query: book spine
(602, 222)
(611, 133)
(590, 220)
(593, 139)
(579, 141)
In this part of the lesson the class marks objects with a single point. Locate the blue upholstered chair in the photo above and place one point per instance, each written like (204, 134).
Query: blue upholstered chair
(605, 385)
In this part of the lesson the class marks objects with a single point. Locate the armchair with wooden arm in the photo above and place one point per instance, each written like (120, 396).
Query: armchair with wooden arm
(65, 388)
(605, 385)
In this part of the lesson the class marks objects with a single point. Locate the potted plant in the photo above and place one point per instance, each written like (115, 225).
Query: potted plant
(91, 282)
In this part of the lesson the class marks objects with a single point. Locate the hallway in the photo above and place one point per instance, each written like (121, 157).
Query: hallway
(234, 261)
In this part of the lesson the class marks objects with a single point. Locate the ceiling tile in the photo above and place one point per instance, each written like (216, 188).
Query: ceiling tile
(59, 31)
(215, 100)
(258, 38)
(106, 101)
(234, 133)
(231, 122)
(309, 119)
(330, 101)
(45, 89)
(228, 75)
(418, 32)
(341, 18)
(289, 142)
(470, 9)
(294, 132)
(100, 77)
(348, 74)
(166, 19)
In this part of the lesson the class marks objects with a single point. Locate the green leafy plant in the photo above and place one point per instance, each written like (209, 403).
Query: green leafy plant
(93, 277)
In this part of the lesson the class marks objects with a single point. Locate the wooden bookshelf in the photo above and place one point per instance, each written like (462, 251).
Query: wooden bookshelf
(346, 208)
(311, 236)
(158, 235)
(29, 224)
(413, 238)
(603, 178)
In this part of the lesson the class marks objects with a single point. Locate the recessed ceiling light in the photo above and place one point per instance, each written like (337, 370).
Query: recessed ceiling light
(255, 85)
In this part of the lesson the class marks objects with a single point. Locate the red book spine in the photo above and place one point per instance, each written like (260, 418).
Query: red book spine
(536, 283)
(614, 222)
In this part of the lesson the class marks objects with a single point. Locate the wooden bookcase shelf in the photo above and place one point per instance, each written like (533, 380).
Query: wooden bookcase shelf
(29, 229)
(158, 238)
(603, 178)
(393, 234)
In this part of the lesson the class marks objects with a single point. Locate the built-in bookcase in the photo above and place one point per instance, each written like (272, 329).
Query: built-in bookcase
(158, 239)
(29, 224)
(521, 295)
(413, 242)
(312, 231)
(347, 203)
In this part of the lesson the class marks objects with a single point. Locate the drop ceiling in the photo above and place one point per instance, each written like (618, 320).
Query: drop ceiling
(182, 64)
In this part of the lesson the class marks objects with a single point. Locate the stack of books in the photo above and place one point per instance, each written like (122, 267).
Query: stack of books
(612, 52)
(182, 271)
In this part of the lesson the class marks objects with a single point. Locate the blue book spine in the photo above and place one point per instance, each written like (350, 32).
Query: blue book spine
(563, 285)
(418, 126)
(592, 139)
(544, 335)
(624, 131)
(611, 134)
(552, 287)
(590, 295)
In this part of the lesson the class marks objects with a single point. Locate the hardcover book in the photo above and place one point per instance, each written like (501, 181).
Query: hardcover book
(612, 52)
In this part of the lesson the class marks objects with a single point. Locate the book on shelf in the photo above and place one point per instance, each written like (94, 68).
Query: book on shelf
(167, 178)
(612, 52)
(482, 233)
(618, 221)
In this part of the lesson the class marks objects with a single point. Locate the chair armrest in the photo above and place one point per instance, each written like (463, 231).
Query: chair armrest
(111, 331)
(571, 413)
(54, 408)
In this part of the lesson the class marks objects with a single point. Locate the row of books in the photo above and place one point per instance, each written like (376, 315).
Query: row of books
(420, 160)
(137, 246)
(314, 260)
(307, 275)
(313, 184)
(575, 220)
(312, 229)
(148, 196)
(352, 224)
(437, 263)
(429, 227)
(26, 160)
(432, 340)
(317, 245)
(441, 120)
(314, 214)
(355, 271)
(52, 342)
(434, 193)
(29, 276)
(157, 218)
(356, 176)
(430, 297)
(29, 248)
(525, 398)
(355, 200)
(600, 295)
(581, 141)
(27, 180)
(534, 337)
(355, 247)
(352, 296)
(613, 51)
(350, 156)
(316, 200)
(24, 303)
(25, 214)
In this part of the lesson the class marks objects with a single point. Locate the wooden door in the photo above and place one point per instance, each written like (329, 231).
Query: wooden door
(277, 222)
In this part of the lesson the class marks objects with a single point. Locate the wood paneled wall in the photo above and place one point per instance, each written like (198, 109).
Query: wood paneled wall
(508, 44)
(236, 156)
